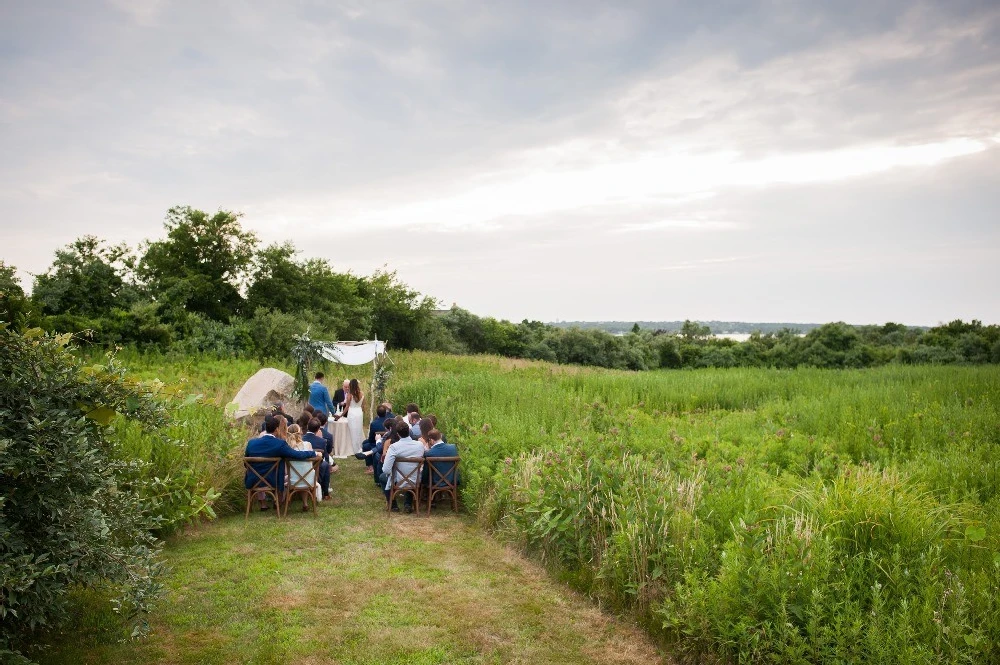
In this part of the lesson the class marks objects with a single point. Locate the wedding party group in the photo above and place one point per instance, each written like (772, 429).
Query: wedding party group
(406, 454)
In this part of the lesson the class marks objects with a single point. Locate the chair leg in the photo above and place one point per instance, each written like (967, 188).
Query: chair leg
(454, 500)
(249, 501)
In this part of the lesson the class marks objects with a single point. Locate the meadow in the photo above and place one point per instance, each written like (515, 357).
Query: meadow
(746, 515)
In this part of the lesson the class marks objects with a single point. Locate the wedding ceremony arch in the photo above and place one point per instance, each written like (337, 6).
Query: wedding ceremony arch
(351, 353)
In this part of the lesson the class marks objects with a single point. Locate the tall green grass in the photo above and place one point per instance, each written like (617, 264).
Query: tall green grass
(749, 515)
(753, 515)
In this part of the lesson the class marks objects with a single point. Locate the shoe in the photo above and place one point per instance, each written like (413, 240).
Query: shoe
(395, 509)
(407, 509)
(359, 455)
(305, 509)
(370, 470)
(327, 498)
(265, 508)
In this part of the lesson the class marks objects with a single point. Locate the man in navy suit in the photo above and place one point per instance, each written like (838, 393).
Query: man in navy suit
(340, 395)
(440, 449)
(268, 445)
(377, 425)
(314, 437)
(319, 396)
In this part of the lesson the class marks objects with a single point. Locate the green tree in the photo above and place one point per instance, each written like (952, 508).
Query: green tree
(87, 278)
(72, 512)
(400, 316)
(202, 263)
(692, 331)
(14, 306)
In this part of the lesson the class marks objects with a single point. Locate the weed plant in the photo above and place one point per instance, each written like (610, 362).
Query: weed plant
(753, 515)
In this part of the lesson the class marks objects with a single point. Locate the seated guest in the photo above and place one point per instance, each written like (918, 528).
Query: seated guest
(320, 415)
(315, 438)
(303, 420)
(309, 408)
(413, 420)
(404, 447)
(440, 449)
(304, 474)
(319, 396)
(381, 445)
(420, 430)
(279, 410)
(434, 422)
(276, 411)
(388, 410)
(268, 445)
(377, 425)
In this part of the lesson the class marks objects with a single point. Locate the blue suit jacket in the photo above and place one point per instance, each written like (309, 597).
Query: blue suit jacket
(319, 398)
(318, 442)
(271, 446)
(377, 425)
(447, 469)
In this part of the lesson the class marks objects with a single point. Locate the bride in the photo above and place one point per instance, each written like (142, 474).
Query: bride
(354, 411)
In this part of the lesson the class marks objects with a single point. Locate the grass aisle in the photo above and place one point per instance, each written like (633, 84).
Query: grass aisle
(356, 586)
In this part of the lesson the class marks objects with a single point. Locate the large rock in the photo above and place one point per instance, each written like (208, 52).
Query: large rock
(267, 386)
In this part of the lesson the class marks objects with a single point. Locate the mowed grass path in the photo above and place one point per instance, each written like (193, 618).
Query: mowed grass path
(354, 585)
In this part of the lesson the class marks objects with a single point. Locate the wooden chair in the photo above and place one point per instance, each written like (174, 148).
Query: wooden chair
(409, 481)
(261, 484)
(303, 477)
(442, 478)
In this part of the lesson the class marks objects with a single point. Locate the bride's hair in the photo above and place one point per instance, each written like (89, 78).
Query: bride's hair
(355, 390)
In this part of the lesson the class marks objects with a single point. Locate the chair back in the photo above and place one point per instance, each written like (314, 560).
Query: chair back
(303, 474)
(403, 478)
(442, 478)
(442, 472)
(260, 470)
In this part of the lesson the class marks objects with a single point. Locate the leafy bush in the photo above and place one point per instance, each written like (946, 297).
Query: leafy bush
(72, 511)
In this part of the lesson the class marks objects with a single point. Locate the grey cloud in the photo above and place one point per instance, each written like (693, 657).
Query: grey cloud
(303, 114)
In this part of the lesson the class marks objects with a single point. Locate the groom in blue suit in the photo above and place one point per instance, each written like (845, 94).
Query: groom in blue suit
(268, 445)
(319, 396)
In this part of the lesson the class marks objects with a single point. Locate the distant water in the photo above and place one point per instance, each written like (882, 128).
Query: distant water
(739, 337)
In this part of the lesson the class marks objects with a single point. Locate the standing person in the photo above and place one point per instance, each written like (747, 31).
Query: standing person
(319, 396)
(355, 414)
(340, 397)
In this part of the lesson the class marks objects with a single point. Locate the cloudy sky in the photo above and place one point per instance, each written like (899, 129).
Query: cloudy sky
(757, 161)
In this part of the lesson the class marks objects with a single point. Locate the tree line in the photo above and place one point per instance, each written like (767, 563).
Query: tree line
(209, 286)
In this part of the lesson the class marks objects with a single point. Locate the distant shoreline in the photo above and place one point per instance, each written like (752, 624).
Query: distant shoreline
(718, 328)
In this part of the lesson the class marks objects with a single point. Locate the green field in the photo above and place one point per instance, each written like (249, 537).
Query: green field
(753, 515)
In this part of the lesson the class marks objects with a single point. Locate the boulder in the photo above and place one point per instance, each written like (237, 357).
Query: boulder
(267, 386)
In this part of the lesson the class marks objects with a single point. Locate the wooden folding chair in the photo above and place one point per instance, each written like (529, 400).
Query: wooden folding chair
(409, 481)
(303, 477)
(442, 480)
(261, 484)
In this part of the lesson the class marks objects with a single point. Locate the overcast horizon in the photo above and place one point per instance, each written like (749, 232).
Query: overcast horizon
(760, 161)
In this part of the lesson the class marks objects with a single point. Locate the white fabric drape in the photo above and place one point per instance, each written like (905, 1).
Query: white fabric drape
(353, 353)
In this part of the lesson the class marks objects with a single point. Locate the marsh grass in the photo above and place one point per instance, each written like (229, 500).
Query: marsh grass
(754, 515)
(745, 514)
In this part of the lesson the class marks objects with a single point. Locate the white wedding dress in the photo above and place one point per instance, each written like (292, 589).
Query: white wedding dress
(355, 421)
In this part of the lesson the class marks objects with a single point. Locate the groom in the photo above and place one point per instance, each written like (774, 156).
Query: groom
(319, 396)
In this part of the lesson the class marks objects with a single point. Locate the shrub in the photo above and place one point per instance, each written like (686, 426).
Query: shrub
(69, 514)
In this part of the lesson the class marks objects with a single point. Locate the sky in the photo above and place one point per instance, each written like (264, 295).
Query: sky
(742, 161)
